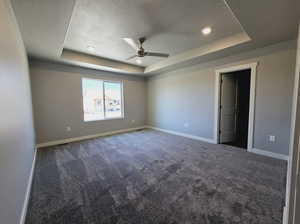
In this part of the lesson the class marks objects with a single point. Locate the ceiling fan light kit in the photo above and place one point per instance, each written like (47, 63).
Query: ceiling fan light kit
(139, 61)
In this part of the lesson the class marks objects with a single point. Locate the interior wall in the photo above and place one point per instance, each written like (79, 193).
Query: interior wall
(16, 123)
(297, 208)
(57, 101)
(183, 100)
(293, 180)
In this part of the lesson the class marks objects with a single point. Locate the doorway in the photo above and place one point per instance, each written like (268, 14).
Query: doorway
(234, 105)
(234, 108)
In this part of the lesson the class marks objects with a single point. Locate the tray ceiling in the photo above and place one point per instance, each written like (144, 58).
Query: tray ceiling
(61, 31)
(170, 26)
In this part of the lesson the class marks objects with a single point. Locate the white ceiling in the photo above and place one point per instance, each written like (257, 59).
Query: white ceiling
(44, 25)
(171, 26)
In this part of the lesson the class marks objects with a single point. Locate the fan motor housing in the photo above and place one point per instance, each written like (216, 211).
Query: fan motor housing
(141, 52)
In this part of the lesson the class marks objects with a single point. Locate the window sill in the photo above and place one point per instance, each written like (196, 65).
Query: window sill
(106, 119)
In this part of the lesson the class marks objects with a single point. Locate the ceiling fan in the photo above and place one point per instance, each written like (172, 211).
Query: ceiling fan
(140, 51)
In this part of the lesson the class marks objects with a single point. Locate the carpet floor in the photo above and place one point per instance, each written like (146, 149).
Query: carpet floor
(150, 177)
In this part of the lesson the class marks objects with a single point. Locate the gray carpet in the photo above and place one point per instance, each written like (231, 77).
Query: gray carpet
(150, 177)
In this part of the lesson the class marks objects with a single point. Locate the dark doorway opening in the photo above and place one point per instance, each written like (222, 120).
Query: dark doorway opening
(240, 92)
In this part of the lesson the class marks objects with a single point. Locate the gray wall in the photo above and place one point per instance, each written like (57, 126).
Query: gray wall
(16, 125)
(57, 101)
(187, 96)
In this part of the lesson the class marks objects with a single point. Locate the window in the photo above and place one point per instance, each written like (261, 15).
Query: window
(102, 99)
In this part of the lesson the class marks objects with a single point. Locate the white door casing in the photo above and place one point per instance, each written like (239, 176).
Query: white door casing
(227, 69)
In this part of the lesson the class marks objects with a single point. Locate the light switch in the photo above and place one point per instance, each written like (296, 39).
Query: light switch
(186, 125)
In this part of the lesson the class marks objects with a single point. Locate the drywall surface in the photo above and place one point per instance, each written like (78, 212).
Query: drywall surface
(293, 180)
(16, 123)
(183, 100)
(297, 155)
(57, 102)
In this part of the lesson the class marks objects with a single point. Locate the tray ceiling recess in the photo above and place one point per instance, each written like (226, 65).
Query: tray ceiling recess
(93, 33)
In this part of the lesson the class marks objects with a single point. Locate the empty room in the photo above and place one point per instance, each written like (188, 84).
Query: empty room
(149, 112)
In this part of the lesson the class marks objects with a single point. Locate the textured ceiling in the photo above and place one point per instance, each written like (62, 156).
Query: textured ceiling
(51, 27)
(44, 24)
(171, 26)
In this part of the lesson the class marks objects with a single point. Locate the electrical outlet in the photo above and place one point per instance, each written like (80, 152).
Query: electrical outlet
(186, 125)
(132, 121)
(68, 128)
(272, 138)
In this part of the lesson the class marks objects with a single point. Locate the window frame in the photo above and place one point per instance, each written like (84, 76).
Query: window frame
(103, 92)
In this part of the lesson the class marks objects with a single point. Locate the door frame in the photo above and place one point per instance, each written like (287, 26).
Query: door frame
(252, 66)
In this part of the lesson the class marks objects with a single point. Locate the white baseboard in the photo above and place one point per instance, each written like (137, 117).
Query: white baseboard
(68, 140)
(28, 190)
(270, 154)
(284, 218)
(183, 134)
(253, 150)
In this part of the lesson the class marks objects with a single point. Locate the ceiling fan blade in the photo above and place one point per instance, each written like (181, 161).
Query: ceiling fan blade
(154, 54)
(132, 43)
(131, 57)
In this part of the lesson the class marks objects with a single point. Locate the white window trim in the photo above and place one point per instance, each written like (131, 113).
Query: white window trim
(122, 100)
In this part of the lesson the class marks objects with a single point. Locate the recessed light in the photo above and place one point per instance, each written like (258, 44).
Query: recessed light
(139, 61)
(91, 48)
(206, 30)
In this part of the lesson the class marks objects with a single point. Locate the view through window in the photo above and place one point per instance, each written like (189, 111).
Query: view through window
(101, 99)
